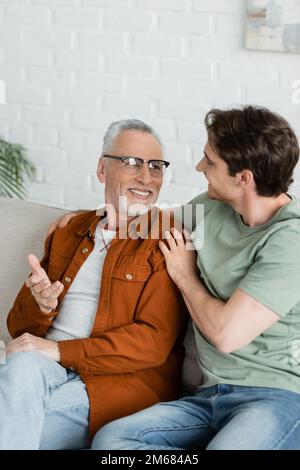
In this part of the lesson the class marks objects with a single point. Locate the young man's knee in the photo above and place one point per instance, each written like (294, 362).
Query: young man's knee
(106, 438)
(117, 434)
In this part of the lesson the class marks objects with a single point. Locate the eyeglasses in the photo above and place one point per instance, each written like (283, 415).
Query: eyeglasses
(135, 164)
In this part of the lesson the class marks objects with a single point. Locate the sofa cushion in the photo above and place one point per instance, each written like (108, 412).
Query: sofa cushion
(191, 374)
(23, 231)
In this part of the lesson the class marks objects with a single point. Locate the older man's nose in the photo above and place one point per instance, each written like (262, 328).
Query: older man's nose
(144, 175)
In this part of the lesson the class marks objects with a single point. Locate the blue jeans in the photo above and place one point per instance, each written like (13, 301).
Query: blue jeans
(42, 404)
(219, 417)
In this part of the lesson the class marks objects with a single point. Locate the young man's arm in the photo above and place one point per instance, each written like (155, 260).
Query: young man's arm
(268, 291)
(230, 325)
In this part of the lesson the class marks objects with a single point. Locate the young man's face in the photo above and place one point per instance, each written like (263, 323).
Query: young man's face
(139, 186)
(221, 186)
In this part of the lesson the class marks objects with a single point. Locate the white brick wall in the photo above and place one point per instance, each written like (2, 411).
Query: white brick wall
(26, 15)
(73, 66)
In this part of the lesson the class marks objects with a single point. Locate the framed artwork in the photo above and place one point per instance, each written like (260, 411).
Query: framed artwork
(273, 25)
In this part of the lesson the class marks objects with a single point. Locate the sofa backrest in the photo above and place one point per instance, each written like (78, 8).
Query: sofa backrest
(23, 231)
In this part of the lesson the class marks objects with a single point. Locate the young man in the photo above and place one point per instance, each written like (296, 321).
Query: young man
(94, 341)
(243, 295)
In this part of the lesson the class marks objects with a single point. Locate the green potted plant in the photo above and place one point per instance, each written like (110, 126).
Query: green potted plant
(14, 169)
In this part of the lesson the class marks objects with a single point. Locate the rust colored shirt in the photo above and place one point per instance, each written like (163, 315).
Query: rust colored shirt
(134, 355)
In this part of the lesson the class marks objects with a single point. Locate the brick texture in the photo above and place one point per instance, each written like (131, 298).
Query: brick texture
(70, 67)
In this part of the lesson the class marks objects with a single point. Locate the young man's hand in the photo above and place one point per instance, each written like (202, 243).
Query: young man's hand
(62, 221)
(180, 257)
(45, 293)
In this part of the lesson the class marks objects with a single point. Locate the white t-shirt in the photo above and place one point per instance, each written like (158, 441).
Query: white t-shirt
(78, 309)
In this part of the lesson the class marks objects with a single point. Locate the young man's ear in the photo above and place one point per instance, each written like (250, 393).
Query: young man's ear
(246, 177)
(101, 170)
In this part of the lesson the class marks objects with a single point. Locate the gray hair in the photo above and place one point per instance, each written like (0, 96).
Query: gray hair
(115, 129)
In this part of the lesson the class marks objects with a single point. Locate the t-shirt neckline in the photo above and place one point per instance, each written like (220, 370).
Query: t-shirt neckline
(257, 228)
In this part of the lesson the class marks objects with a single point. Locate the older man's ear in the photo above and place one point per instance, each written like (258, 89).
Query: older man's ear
(101, 170)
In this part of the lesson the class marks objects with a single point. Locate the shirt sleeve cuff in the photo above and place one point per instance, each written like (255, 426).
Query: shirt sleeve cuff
(71, 352)
(44, 319)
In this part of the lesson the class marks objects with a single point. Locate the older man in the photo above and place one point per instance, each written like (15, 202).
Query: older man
(94, 340)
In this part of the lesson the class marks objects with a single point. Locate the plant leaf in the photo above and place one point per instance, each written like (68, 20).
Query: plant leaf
(15, 169)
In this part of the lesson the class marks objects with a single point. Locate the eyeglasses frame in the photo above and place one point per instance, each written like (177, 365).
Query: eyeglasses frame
(166, 164)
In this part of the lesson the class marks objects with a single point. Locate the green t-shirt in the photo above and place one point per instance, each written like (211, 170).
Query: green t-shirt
(264, 262)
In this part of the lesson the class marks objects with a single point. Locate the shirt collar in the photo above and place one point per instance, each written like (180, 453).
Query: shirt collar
(137, 228)
(91, 223)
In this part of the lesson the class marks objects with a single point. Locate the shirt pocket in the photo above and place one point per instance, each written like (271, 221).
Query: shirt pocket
(56, 270)
(127, 286)
(132, 274)
(57, 266)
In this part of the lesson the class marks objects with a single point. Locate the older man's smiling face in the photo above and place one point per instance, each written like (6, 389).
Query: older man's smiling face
(139, 187)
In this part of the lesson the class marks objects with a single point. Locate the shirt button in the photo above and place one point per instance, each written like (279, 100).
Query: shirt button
(129, 277)
(68, 279)
(84, 250)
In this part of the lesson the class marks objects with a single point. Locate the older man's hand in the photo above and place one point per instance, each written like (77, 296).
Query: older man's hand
(28, 342)
(45, 293)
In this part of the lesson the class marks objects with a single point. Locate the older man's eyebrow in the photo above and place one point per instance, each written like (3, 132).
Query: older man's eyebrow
(207, 158)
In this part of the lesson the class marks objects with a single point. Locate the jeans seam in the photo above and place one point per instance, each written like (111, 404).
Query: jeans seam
(55, 384)
(173, 428)
(67, 408)
(278, 443)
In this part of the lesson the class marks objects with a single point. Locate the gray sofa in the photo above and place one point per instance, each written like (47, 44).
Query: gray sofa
(23, 231)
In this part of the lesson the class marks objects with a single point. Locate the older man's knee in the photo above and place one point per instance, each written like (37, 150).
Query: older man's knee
(25, 364)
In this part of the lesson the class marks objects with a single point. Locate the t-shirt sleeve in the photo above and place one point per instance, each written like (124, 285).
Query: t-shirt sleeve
(193, 211)
(274, 278)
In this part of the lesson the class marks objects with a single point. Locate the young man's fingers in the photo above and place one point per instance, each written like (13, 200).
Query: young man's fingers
(176, 234)
(171, 241)
(52, 227)
(66, 218)
(189, 244)
(61, 222)
(187, 234)
(178, 237)
(163, 248)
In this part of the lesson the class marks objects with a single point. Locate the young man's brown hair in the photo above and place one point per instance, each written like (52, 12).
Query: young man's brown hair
(256, 139)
